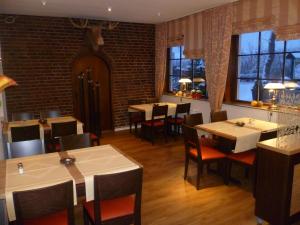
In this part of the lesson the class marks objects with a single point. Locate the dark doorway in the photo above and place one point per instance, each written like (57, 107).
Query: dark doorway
(91, 93)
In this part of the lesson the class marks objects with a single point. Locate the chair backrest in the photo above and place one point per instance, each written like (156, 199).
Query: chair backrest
(112, 186)
(218, 116)
(193, 119)
(22, 116)
(191, 140)
(159, 110)
(183, 108)
(136, 101)
(25, 133)
(75, 141)
(50, 114)
(63, 128)
(36, 203)
(268, 135)
(25, 148)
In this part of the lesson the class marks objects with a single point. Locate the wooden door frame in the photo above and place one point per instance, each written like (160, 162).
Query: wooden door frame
(85, 52)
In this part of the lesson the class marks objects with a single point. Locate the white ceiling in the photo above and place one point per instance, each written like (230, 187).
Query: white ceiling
(139, 11)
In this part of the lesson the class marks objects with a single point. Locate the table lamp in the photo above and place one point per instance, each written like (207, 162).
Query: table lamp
(274, 87)
(183, 82)
(290, 85)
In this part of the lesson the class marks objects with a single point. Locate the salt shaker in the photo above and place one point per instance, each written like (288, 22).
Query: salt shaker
(20, 168)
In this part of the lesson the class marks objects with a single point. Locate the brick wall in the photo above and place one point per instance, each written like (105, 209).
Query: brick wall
(38, 52)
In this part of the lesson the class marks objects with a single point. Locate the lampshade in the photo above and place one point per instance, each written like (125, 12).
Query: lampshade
(198, 80)
(6, 82)
(291, 85)
(185, 80)
(274, 86)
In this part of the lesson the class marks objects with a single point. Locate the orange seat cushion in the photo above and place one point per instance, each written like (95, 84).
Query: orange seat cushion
(157, 123)
(247, 157)
(176, 121)
(60, 218)
(207, 153)
(112, 208)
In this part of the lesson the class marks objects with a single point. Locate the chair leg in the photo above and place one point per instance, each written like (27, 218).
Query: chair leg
(199, 168)
(166, 133)
(85, 218)
(228, 171)
(135, 127)
(186, 166)
(130, 127)
(246, 172)
(152, 135)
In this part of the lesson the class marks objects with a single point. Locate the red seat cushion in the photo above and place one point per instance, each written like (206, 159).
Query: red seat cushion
(247, 157)
(157, 123)
(93, 136)
(113, 208)
(176, 121)
(207, 153)
(60, 218)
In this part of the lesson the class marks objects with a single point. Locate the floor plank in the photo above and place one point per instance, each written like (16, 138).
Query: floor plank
(169, 200)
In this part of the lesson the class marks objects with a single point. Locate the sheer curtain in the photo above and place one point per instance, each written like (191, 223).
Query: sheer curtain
(217, 30)
(160, 58)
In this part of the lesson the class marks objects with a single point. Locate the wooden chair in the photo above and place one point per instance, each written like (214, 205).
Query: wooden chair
(22, 116)
(247, 159)
(117, 199)
(50, 114)
(25, 148)
(59, 130)
(135, 118)
(75, 141)
(200, 153)
(218, 116)
(177, 121)
(157, 122)
(52, 205)
(193, 119)
(25, 133)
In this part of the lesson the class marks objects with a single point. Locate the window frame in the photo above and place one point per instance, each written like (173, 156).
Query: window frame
(259, 54)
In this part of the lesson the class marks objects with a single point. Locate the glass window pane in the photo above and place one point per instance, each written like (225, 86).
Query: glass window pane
(247, 66)
(182, 51)
(269, 44)
(293, 45)
(175, 67)
(249, 43)
(199, 68)
(186, 68)
(174, 85)
(175, 52)
(271, 66)
(246, 90)
(292, 66)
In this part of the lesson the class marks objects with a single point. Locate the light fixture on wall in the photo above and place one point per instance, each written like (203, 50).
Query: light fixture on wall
(5, 82)
(274, 87)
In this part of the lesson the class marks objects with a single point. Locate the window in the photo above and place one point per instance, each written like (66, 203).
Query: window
(263, 59)
(179, 66)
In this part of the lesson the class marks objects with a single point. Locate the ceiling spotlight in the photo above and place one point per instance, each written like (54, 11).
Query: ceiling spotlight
(44, 2)
(158, 14)
(109, 9)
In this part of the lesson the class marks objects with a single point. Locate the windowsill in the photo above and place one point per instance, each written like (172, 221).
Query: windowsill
(238, 104)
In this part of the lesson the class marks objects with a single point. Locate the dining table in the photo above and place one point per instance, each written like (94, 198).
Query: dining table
(47, 170)
(246, 132)
(147, 108)
(44, 127)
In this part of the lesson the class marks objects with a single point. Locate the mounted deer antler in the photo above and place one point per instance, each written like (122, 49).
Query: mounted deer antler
(95, 30)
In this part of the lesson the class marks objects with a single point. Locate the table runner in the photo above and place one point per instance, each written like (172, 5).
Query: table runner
(99, 160)
(147, 108)
(246, 138)
(66, 119)
(23, 123)
(39, 171)
(260, 125)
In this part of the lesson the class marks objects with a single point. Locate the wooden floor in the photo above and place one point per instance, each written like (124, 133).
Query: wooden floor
(169, 200)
